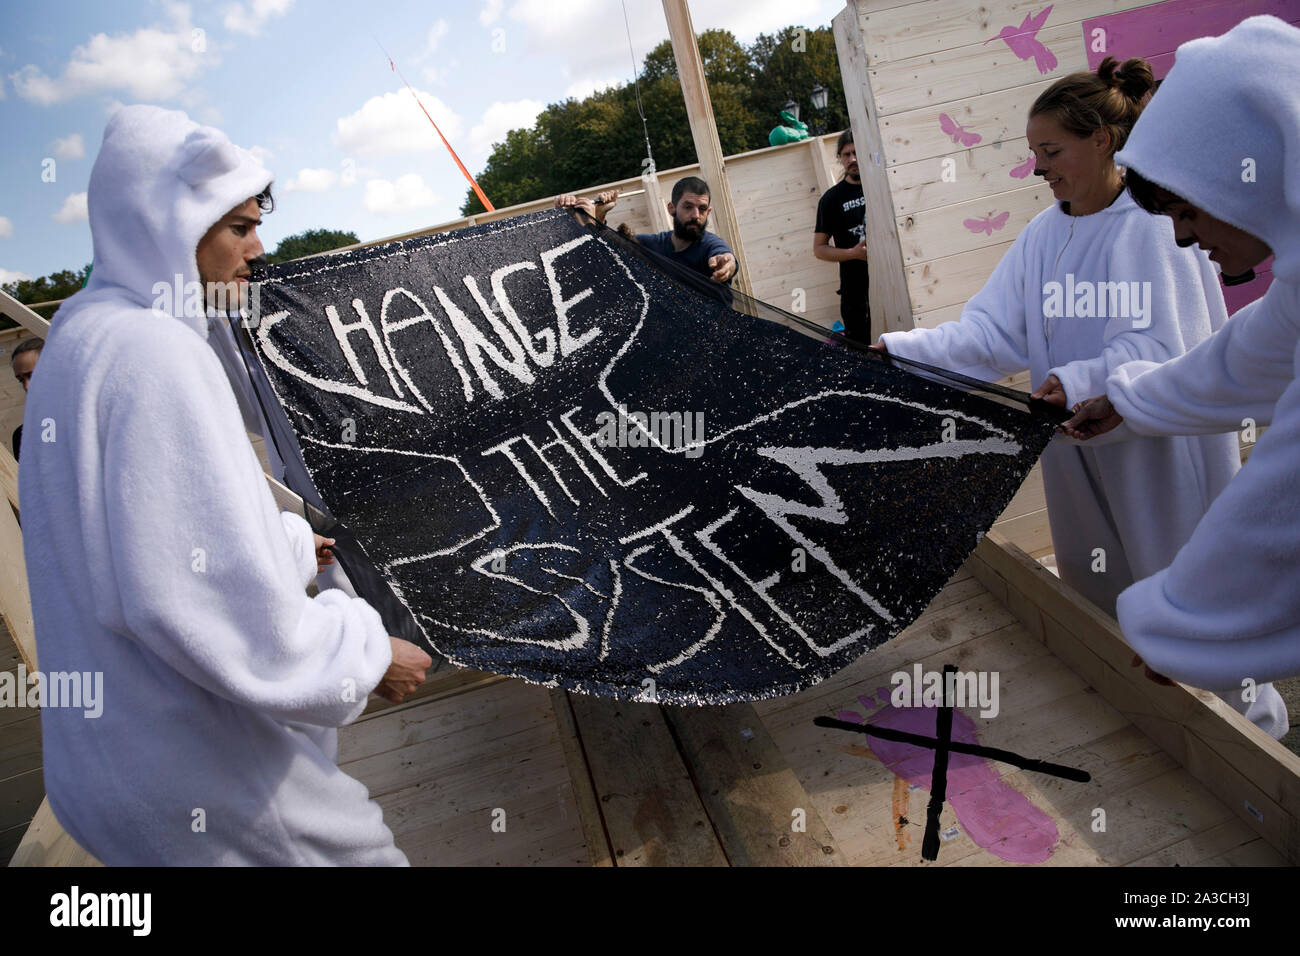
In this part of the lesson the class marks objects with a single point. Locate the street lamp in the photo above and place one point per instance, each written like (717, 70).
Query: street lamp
(818, 96)
(791, 107)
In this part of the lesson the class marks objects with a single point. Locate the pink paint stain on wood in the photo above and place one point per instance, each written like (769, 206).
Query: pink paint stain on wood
(997, 817)
(1155, 31)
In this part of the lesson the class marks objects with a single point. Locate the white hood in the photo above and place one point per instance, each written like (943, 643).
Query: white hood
(1227, 100)
(159, 183)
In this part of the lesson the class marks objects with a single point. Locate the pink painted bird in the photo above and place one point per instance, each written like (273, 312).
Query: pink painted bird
(1024, 169)
(1024, 43)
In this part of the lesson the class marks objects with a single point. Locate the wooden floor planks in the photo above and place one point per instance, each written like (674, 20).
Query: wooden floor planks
(485, 770)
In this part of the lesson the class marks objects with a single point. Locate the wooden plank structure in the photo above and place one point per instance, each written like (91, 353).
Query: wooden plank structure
(480, 769)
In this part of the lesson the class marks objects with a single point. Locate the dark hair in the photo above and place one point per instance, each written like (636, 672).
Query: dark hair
(1110, 99)
(1143, 192)
(265, 201)
(689, 184)
(845, 139)
(26, 345)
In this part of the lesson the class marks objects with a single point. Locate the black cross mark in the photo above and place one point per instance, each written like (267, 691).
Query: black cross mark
(942, 745)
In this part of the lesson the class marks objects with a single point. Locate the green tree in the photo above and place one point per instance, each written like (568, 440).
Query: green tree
(55, 286)
(579, 143)
(788, 65)
(309, 243)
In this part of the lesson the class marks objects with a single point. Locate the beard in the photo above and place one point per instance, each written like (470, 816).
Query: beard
(687, 231)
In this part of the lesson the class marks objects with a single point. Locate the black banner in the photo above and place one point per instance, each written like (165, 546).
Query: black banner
(573, 467)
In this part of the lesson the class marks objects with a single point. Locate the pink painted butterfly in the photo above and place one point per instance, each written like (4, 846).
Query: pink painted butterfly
(957, 131)
(988, 223)
(1024, 169)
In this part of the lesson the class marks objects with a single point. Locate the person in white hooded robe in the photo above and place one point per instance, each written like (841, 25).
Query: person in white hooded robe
(1090, 283)
(1218, 152)
(157, 558)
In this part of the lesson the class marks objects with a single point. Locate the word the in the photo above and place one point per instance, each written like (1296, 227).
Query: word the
(1098, 300)
(56, 689)
(953, 689)
(102, 909)
(664, 429)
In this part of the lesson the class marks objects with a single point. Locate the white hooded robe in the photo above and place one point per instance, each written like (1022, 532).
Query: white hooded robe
(157, 557)
(1227, 608)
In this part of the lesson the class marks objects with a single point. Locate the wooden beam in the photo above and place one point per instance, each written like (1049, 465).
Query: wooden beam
(817, 156)
(699, 110)
(762, 813)
(1254, 775)
(891, 307)
(9, 476)
(15, 599)
(599, 850)
(23, 315)
(46, 843)
(656, 204)
(648, 802)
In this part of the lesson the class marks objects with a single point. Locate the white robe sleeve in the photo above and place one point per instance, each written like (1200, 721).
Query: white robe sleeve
(990, 341)
(204, 573)
(1236, 374)
(302, 541)
(1227, 608)
(1169, 293)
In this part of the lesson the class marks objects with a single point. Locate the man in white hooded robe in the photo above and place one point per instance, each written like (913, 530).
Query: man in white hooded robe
(157, 557)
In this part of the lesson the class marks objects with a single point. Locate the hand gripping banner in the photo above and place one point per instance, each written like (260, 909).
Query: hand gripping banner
(570, 463)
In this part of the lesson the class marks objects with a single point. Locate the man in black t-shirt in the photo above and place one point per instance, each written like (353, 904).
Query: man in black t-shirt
(841, 214)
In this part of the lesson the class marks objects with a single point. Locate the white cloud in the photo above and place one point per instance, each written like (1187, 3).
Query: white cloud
(499, 119)
(550, 27)
(436, 33)
(261, 154)
(12, 275)
(73, 210)
(491, 12)
(248, 18)
(70, 147)
(153, 63)
(393, 123)
(312, 181)
(6, 227)
(584, 88)
(406, 192)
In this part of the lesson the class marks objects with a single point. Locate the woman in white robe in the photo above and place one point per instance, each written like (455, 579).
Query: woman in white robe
(1218, 153)
(1091, 283)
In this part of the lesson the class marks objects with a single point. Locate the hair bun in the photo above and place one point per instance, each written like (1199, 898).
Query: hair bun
(1133, 78)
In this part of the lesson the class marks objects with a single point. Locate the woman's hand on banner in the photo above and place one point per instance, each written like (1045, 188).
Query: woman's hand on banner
(1092, 417)
(1051, 391)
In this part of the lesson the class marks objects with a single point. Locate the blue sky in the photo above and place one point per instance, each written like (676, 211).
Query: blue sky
(304, 83)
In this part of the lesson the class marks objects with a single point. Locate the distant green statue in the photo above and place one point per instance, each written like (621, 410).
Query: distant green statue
(791, 132)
